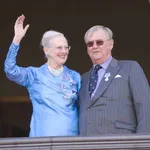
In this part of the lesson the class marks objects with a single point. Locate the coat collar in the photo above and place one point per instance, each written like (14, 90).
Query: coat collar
(112, 69)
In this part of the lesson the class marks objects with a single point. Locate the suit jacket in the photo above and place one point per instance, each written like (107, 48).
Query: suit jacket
(121, 104)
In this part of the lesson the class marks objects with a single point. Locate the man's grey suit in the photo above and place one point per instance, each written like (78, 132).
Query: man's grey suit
(121, 104)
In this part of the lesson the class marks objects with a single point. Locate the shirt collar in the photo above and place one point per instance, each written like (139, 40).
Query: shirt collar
(106, 63)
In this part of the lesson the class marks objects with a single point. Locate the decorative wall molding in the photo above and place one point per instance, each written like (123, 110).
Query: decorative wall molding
(19, 99)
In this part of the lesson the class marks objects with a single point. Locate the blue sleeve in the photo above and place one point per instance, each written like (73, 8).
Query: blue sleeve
(79, 81)
(20, 75)
(77, 78)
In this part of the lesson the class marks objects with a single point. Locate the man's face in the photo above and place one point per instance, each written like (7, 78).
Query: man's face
(58, 52)
(99, 47)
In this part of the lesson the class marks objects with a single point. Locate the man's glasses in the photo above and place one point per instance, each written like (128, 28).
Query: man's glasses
(98, 43)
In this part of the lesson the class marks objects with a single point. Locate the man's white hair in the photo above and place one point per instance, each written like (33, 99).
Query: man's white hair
(96, 28)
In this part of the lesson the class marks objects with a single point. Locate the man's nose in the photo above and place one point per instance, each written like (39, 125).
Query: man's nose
(95, 45)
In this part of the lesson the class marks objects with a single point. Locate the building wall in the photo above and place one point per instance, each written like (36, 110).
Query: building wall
(128, 19)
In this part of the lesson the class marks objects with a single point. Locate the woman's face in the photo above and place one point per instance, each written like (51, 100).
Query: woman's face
(58, 52)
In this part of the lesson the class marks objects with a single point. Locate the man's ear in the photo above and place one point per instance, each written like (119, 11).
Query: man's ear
(112, 44)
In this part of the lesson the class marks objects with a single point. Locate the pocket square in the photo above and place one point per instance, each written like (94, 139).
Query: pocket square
(117, 76)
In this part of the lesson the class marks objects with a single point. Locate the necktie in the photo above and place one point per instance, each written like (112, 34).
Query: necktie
(94, 79)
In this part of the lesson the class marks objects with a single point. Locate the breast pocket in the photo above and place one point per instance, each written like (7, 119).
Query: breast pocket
(123, 125)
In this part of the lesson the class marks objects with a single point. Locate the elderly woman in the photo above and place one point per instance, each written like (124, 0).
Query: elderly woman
(53, 88)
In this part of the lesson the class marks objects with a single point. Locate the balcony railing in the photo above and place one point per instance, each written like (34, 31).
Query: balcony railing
(138, 142)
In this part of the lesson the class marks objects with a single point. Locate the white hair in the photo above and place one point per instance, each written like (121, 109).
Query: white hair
(93, 29)
(48, 36)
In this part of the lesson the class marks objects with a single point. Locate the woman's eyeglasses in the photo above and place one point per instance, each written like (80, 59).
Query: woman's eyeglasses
(60, 48)
(98, 43)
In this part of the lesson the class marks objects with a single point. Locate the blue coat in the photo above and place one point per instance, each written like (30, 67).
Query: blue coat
(54, 98)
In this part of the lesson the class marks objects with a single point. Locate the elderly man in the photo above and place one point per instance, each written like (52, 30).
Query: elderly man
(115, 95)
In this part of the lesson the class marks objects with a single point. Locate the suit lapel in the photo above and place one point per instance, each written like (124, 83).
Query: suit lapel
(85, 92)
(113, 68)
